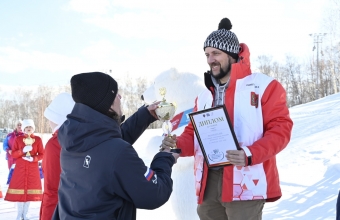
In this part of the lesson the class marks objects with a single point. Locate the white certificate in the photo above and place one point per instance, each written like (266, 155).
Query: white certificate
(215, 134)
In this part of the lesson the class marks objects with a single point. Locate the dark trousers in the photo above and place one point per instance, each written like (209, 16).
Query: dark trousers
(338, 208)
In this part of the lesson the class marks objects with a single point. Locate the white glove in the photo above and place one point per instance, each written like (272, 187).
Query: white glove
(29, 159)
(27, 148)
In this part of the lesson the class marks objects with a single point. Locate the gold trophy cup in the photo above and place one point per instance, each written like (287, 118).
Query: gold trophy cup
(28, 142)
(165, 112)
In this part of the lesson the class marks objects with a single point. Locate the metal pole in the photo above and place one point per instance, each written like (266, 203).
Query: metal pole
(317, 40)
(317, 66)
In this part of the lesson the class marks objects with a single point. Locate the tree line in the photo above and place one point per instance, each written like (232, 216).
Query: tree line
(31, 103)
(317, 77)
(299, 80)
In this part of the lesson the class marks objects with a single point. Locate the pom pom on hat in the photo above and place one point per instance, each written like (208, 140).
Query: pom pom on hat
(223, 39)
(96, 90)
(59, 108)
(26, 123)
(225, 24)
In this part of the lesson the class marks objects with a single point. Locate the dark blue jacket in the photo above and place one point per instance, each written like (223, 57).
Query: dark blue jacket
(338, 207)
(102, 176)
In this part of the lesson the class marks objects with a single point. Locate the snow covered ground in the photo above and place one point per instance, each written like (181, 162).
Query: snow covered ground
(309, 167)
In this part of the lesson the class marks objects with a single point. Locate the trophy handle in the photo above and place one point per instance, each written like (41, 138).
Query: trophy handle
(176, 150)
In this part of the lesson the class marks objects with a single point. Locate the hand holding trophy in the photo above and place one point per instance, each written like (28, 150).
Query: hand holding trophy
(165, 112)
(28, 142)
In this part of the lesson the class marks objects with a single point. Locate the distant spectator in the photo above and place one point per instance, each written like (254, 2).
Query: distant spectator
(25, 185)
(9, 141)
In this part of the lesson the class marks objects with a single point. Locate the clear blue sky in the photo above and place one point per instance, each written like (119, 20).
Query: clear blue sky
(46, 42)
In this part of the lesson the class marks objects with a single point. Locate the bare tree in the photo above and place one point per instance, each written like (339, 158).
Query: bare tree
(23, 98)
(265, 64)
(42, 99)
(131, 90)
(7, 113)
(332, 27)
(63, 88)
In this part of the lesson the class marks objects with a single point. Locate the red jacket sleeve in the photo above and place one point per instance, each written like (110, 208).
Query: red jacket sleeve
(277, 124)
(40, 150)
(17, 148)
(51, 170)
(186, 140)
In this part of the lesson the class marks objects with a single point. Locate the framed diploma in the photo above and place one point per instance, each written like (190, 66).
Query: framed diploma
(215, 134)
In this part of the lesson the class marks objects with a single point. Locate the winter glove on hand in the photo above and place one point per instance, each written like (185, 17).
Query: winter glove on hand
(27, 148)
(29, 159)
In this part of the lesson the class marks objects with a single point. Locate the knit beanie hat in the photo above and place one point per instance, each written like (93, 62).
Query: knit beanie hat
(223, 39)
(59, 108)
(96, 90)
(26, 123)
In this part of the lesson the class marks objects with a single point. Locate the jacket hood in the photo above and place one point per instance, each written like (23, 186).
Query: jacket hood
(86, 128)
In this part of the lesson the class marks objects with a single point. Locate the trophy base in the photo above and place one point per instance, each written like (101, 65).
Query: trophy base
(176, 150)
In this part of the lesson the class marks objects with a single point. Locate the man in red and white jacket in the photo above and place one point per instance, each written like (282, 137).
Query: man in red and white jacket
(256, 104)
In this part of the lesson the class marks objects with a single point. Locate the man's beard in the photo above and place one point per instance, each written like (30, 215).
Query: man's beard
(222, 73)
(112, 114)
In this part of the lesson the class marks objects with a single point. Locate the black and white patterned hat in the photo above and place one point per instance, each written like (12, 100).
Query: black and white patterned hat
(223, 39)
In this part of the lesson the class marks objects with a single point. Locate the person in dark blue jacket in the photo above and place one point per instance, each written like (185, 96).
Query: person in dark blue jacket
(102, 176)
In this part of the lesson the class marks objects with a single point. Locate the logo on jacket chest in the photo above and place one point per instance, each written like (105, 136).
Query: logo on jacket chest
(87, 161)
(254, 99)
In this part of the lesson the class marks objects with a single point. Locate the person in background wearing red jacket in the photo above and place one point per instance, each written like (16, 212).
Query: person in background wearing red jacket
(25, 185)
(256, 105)
(56, 113)
(9, 141)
